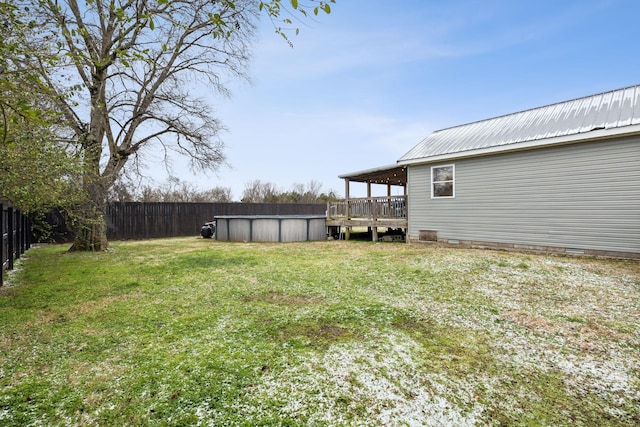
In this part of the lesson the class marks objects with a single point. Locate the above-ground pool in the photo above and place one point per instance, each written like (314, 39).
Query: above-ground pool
(271, 228)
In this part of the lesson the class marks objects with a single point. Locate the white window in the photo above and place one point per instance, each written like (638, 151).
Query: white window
(443, 181)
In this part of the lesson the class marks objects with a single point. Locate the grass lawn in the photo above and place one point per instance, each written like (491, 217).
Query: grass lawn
(198, 332)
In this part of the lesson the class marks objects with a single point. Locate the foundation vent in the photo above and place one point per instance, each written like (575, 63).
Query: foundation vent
(428, 235)
(574, 251)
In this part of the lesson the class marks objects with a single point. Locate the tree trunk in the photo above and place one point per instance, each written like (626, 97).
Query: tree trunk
(90, 219)
(91, 233)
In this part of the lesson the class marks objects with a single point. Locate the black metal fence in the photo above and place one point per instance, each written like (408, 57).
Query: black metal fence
(16, 237)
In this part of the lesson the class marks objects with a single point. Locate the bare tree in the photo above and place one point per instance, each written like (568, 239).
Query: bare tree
(122, 81)
(217, 195)
(172, 190)
(257, 191)
(311, 192)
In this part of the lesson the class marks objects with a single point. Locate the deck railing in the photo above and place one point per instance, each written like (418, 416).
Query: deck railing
(393, 207)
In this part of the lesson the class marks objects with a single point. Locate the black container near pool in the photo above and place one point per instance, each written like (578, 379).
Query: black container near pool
(270, 228)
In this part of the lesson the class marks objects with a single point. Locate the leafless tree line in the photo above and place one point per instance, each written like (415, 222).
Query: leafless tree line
(256, 191)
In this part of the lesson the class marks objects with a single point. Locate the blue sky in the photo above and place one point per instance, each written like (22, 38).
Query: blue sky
(365, 84)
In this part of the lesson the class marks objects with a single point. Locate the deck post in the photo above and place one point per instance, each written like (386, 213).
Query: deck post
(371, 208)
(347, 229)
(374, 216)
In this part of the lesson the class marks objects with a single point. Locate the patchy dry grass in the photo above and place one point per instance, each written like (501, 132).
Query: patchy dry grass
(199, 332)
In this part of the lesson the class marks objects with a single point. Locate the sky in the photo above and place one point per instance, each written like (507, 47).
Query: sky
(360, 87)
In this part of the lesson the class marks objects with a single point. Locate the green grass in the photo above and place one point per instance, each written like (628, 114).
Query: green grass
(199, 332)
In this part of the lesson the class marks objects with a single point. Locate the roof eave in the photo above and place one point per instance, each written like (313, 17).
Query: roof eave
(593, 135)
(394, 174)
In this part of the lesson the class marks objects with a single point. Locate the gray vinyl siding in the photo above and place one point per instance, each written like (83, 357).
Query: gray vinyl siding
(582, 196)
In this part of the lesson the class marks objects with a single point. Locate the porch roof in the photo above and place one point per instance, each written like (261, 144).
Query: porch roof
(390, 175)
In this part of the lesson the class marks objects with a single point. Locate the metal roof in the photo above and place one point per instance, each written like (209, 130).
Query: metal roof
(603, 114)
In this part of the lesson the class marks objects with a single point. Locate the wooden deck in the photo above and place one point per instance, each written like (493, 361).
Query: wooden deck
(371, 212)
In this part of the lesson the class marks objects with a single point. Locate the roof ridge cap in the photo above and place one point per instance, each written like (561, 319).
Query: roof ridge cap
(636, 86)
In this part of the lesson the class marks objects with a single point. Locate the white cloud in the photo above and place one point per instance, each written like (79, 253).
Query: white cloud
(379, 39)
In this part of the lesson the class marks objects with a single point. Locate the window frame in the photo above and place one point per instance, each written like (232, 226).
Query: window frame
(452, 181)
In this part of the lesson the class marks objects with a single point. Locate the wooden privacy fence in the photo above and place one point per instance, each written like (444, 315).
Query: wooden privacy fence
(134, 220)
(16, 237)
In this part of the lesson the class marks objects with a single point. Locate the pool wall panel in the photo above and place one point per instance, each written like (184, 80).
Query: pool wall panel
(265, 228)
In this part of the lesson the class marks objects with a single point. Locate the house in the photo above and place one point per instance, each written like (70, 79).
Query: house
(560, 178)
